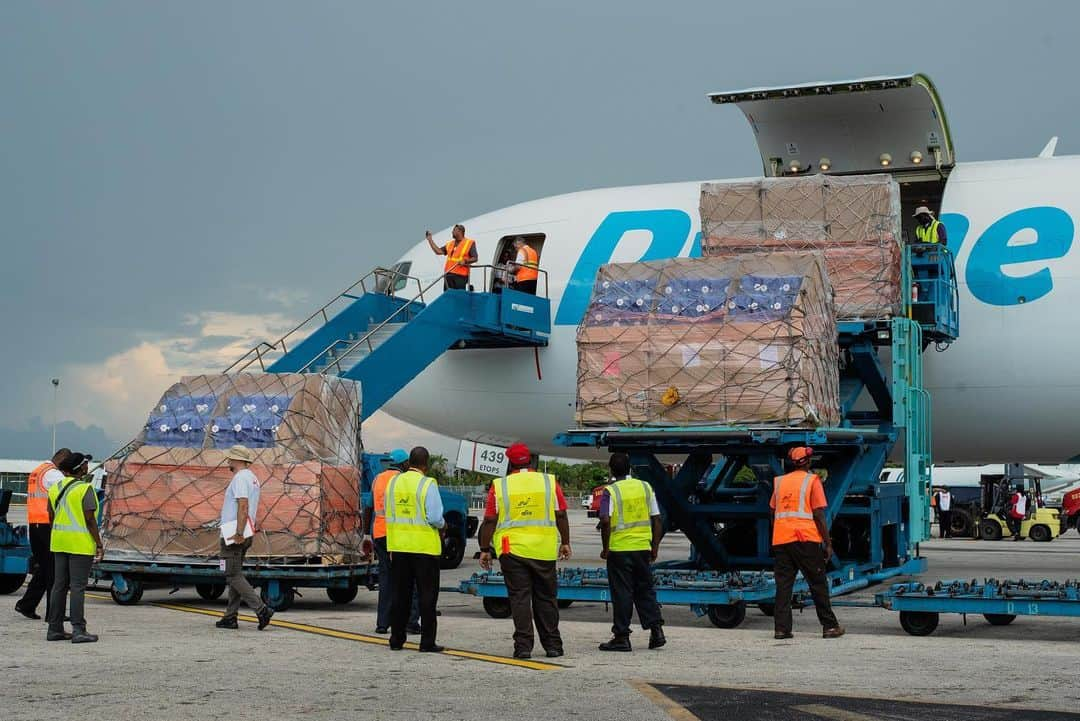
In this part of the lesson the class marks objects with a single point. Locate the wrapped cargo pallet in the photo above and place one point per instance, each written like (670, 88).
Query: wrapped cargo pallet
(747, 340)
(165, 494)
(854, 220)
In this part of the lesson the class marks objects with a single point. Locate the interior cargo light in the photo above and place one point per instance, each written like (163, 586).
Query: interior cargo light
(794, 166)
(824, 164)
(916, 157)
(885, 159)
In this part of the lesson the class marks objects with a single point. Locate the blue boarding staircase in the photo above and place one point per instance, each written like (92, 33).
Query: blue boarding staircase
(386, 328)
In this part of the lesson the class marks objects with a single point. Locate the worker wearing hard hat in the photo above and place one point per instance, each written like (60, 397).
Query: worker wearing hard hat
(799, 530)
(396, 462)
(928, 229)
(630, 532)
(525, 520)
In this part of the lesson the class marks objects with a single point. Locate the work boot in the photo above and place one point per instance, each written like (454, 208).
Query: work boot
(656, 637)
(617, 643)
(264, 617)
(58, 636)
(227, 623)
(382, 630)
(783, 635)
(413, 629)
(433, 648)
(834, 632)
(81, 636)
(29, 613)
(554, 653)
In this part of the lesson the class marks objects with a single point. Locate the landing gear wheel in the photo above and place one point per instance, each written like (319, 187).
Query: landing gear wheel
(11, 582)
(1040, 534)
(767, 609)
(453, 548)
(497, 607)
(282, 600)
(131, 594)
(727, 615)
(919, 623)
(990, 529)
(565, 603)
(341, 596)
(999, 619)
(210, 591)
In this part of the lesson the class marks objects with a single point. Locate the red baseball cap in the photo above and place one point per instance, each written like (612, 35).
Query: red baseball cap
(519, 454)
(800, 453)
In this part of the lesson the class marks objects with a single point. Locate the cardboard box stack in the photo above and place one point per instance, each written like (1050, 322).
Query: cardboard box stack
(854, 220)
(747, 340)
(164, 496)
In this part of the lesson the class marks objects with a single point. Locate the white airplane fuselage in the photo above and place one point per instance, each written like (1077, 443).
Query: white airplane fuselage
(1007, 389)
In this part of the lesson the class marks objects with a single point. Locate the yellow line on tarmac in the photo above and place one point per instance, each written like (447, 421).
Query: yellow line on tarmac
(358, 637)
(676, 711)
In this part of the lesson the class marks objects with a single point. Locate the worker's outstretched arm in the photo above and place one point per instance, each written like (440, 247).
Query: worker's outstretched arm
(436, 249)
(564, 535)
(823, 529)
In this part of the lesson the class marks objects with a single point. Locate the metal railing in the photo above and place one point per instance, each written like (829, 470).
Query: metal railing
(258, 354)
(335, 362)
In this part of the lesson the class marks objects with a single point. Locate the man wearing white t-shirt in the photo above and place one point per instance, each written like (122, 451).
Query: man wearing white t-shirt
(238, 514)
(42, 478)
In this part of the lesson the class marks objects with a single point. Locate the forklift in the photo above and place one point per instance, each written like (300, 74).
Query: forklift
(1040, 524)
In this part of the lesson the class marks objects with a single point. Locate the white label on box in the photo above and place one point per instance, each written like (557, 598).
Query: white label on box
(691, 355)
(482, 458)
(769, 356)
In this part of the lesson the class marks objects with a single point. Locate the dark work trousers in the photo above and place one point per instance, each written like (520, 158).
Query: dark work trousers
(386, 589)
(406, 571)
(631, 582)
(533, 587)
(453, 281)
(42, 581)
(808, 557)
(944, 519)
(525, 286)
(239, 588)
(71, 573)
(1013, 524)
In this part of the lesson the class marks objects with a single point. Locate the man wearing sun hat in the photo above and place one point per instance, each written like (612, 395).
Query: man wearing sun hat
(799, 530)
(928, 229)
(238, 515)
(525, 524)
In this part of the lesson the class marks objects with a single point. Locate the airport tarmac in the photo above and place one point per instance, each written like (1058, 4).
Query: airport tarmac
(163, 659)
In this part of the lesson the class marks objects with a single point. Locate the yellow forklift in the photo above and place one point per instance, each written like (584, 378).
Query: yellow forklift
(1040, 524)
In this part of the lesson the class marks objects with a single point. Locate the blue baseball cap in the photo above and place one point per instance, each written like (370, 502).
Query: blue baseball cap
(398, 456)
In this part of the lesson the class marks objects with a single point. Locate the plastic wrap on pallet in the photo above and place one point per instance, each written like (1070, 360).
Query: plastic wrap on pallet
(165, 493)
(855, 220)
(742, 340)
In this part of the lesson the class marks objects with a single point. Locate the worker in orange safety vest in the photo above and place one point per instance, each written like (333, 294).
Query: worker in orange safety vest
(799, 530)
(42, 478)
(460, 253)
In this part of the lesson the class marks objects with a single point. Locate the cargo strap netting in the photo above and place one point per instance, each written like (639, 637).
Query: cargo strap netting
(165, 492)
(748, 339)
(853, 220)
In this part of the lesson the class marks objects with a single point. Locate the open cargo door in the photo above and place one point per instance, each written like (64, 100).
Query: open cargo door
(885, 124)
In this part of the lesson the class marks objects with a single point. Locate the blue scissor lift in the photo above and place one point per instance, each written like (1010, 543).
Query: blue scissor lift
(876, 525)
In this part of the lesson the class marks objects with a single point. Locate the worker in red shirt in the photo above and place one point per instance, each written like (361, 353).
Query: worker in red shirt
(525, 524)
(799, 531)
(1017, 512)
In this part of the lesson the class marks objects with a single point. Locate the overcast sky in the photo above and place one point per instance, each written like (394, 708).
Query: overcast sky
(180, 179)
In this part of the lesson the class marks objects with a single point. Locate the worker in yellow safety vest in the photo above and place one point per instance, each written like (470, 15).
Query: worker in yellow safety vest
(525, 266)
(525, 524)
(800, 527)
(630, 531)
(75, 543)
(928, 229)
(414, 523)
(460, 253)
(42, 478)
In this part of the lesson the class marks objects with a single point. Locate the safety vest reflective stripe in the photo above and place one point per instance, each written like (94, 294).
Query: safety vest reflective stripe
(927, 233)
(456, 255)
(504, 510)
(803, 491)
(621, 517)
